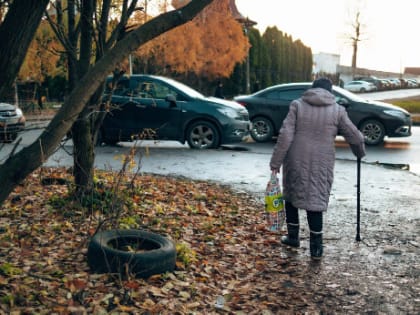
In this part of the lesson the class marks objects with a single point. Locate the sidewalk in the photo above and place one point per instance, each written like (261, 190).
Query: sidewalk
(43, 116)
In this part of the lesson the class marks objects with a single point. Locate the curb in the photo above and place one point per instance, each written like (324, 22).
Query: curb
(38, 117)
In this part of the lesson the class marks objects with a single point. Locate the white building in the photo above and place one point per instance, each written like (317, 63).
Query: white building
(325, 63)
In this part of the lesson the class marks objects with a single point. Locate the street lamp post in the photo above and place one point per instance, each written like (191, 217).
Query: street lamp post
(248, 83)
(247, 23)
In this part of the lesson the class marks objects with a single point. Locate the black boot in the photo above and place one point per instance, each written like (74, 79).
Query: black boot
(315, 244)
(292, 237)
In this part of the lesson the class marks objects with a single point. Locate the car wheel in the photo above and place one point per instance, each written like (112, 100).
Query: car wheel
(262, 129)
(373, 131)
(203, 135)
(102, 138)
(99, 138)
(131, 252)
(9, 137)
(362, 90)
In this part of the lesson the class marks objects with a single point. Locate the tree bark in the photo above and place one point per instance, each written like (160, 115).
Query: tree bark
(16, 33)
(83, 148)
(17, 167)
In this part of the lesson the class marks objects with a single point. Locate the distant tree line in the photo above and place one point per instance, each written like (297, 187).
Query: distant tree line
(274, 58)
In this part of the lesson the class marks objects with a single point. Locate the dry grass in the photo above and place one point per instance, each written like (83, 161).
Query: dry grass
(412, 104)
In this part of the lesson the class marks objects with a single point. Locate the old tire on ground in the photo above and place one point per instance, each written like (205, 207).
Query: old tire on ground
(134, 252)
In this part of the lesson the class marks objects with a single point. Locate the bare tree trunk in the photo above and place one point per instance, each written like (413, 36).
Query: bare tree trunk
(83, 148)
(17, 167)
(355, 43)
(23, 17)
(84, 157)
(354, 60)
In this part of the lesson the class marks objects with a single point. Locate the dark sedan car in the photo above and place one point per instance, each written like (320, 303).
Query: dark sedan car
(268, 108)
(147, 106)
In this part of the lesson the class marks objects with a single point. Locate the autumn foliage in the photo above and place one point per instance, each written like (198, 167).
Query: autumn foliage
(223, 250)
(43, 55)
(209, 46)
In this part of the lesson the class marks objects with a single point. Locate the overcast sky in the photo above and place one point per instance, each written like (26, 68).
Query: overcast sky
(390, 39)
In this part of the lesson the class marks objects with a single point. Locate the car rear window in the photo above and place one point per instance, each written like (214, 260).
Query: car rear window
(285, 95)
(122, 87)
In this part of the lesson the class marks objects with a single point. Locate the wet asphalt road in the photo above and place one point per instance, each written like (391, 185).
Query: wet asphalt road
(241, 163)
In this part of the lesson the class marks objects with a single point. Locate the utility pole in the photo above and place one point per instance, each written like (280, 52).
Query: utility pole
(246, 24)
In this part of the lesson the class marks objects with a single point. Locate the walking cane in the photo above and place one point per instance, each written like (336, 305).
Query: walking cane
(358, 201)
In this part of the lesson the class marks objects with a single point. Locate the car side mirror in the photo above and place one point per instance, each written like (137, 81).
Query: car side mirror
(343, 101)
(171, 99)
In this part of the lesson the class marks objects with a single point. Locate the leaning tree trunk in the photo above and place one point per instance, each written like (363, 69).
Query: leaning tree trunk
(23, 17)
(17, 167)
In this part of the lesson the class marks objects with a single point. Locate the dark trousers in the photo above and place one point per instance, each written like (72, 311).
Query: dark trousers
(314, 218)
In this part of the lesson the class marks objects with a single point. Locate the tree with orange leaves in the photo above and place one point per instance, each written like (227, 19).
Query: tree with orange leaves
(42, 56)
(209, 46)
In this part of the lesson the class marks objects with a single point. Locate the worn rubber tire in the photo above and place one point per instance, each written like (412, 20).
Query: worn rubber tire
(105, 254)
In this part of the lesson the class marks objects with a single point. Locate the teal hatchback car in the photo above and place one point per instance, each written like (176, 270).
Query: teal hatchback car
(148, 106)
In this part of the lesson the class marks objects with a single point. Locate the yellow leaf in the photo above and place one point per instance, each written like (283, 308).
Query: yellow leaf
(184, 294)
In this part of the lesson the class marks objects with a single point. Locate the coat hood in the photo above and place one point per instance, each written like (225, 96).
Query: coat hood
(318, 97)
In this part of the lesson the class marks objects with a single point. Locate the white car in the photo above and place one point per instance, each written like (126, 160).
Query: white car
(360, 86)
(12, 121)
(412, 83)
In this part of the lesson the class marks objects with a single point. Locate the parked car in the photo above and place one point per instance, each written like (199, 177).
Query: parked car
(360, 86)
(268, 108)
(386, 84)
(395, 83)
(12, 121)
(377, 82)
(170, 110)
(412, 83)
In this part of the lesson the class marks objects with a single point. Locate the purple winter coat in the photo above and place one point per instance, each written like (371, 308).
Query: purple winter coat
(306, 150)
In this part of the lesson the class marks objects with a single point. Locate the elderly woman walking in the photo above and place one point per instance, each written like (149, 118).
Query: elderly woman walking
(305, 150)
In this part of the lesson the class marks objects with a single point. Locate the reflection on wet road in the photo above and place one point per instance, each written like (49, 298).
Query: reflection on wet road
(394, 151)
(340, 143)
(397, 145)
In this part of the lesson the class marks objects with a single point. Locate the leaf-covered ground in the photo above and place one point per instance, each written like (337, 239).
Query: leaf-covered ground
(224, 252)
